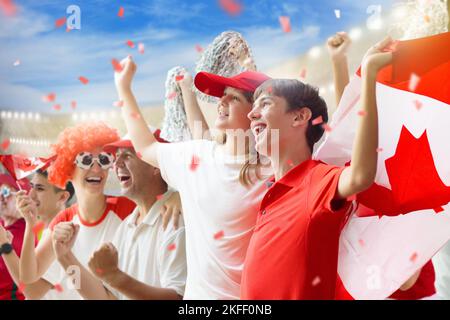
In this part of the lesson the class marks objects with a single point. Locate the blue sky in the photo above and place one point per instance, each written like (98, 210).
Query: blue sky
(52, 59)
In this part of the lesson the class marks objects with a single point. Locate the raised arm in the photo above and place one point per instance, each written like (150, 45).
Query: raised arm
(361, 172)
(143, 140)
(195, 117)
(34, 262)
(338, 47)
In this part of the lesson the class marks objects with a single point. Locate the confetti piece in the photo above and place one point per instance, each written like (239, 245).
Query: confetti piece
(8, 7)
(379, 149)
(285, 23)
(337, 13)
(413, 257)
(121, 12)
(194, 163)
(171, 95)
(38, 228)
(219, 235)
(315, 281)
(418, 104)
(426, 18)
(179, 77)
(68, 29)
(413, 82)
(84, 80)
(290, 163)
(269, 90)
(118, 104)
(49, 98)
(326, 127)
(361, 242)
(232, 7)
(141, 48)
(58, 287)
(159, 196)
(130, 44)
(139, 155)
(198, 48)
(57, 107)
(135, 115)
(303, 73)
(21, 287)
(317, 121)
(362, 113)
(16, 63)
(73, 105)
(439, 209)
(116, 65)
(171, 247)
(5, 144)
(99, 271)
(60, 22)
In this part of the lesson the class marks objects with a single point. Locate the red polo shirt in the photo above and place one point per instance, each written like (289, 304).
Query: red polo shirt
(293, 252)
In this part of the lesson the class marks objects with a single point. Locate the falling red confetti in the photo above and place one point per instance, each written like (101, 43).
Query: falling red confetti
(60, 22)
(130, 44)
(58, 287)
(269, 90)
(121, 12)
(16, 63)
(326, 127)
(171, 95)
(57, 107)
(135, 115)
(68, 29)
(49, 98)
(38, 228)
(437, 210)
(194, 163)
(219, 235)
(141, 48)
(413, 82)
(232, 7)
(73, 105)
(418, 104)
(198, 48)
(84, 80)
(362, 113)
(99, 271)
(5, 144)
(361, 242)
(317, 121)
(8, 7)
(171, 247)
(139, 155)
(179, 77)
(285, 23)
(413, 257)
(116, 65)
(379, 149)
(159, 196)
(290, 163)
(21, 287)
(303, 73)
(118, 104)
(316, 281)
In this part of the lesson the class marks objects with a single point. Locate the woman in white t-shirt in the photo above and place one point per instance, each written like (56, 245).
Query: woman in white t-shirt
(219, 189)
(95, 216)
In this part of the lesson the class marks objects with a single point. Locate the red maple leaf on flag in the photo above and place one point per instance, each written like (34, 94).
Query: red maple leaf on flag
(415, 182)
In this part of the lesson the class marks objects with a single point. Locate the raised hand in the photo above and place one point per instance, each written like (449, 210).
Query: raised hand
(338, 45)
(124, 78)
(171, 210)
(27, 208)
(104, 262)
(186, 81)
(63, 237)
(377, 56)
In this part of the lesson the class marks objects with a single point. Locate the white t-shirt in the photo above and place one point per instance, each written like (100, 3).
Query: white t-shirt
(90, 237)
(214, 201)
(441, 262)
(149, 253)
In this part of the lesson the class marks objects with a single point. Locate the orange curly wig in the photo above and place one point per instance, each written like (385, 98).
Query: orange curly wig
(72, 141)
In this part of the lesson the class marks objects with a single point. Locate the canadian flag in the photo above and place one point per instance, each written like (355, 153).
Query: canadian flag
(404, 218)
(20, 167)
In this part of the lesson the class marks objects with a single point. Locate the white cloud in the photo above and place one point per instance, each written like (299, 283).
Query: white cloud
(25, 24)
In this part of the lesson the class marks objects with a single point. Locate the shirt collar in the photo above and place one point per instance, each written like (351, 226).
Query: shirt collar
(153, 214)
(294, 176)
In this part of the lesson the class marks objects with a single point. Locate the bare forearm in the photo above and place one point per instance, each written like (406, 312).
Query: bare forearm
(194, 114)
(364, 155)
(137, 290)
(341, 77)
(28, 267)
(137, 128)
(91, 288)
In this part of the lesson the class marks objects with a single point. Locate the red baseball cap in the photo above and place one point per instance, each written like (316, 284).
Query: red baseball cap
(214, 85)
(125, 142)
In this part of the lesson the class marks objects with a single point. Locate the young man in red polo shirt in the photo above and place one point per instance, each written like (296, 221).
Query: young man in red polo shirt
(293, 252)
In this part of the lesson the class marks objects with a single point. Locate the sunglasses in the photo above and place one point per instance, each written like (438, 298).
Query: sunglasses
(85, 160)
